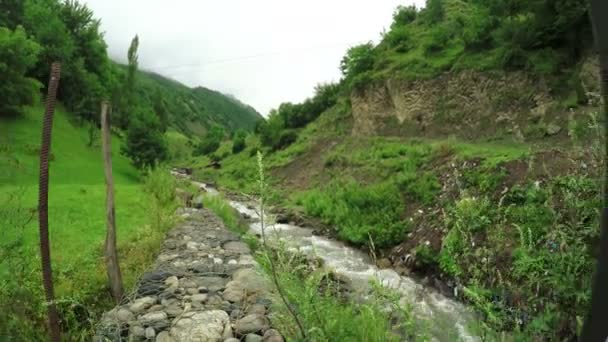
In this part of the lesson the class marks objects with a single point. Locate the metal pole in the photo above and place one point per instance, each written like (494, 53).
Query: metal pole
(43, 198)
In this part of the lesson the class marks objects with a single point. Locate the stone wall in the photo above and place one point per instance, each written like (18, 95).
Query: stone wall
(204, 287)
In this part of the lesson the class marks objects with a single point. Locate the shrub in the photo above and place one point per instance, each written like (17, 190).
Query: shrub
(287, 138)
(238, 142)
(423, 188)
(160, 186)
(211, 142)
(359, 212)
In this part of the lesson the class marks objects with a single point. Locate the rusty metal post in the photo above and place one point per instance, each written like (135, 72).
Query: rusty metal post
(43, 198)
(111, 254)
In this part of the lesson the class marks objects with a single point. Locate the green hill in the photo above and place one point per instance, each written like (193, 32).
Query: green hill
(192, 111)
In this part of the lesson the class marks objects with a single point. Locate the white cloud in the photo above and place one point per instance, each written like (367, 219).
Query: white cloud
(264, 52)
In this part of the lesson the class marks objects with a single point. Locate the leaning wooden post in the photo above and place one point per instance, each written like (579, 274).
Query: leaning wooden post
(43, 204)
(111, 255)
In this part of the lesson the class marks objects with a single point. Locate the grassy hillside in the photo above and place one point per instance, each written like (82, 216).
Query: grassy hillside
(545, 38)
(511, 225)
(76, 223)
(192, 111)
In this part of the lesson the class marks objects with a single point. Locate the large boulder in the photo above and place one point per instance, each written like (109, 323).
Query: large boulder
(207, 326)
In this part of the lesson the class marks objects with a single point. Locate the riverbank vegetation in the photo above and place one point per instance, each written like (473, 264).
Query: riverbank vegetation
(507, 222)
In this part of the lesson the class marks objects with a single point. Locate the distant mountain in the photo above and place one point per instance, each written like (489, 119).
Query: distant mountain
(192, 111)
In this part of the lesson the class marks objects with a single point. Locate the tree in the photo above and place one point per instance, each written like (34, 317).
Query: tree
(145, 144)
(127, 103)
(404, 15)
(160, 108)
(434, 11)
(17, 55)
(358, 60)
(11, 13)
(133, 63)
(211, 142)
(238, 142)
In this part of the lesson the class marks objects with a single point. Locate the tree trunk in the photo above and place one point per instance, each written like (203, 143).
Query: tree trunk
(111, 255)
(595, 328)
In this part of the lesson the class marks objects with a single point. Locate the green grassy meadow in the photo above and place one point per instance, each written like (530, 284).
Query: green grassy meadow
(76, 209)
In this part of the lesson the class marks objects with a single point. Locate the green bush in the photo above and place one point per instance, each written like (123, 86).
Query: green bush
(145, 143)
(360, 213)
(423, 188)
(17, 55)
(238, 142)
(537, 245)
(162, 203)
(211, 142)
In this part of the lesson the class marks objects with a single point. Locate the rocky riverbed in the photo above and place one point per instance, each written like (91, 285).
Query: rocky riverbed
(203, 287)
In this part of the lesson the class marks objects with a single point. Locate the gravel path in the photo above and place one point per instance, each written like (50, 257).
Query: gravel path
(203, 287)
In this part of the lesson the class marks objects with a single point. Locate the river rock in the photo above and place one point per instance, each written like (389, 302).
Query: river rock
(207, 326)
(257, 309)
(271, 335)
(199, 297)
(253, 338)
(172, 282)
(152, 317)
(164, 336)
(141, 304)
(137, 331)
(237, 247)
(232, 339)
(247, 260)
(150, 333)
(251, 324)
(174, 310)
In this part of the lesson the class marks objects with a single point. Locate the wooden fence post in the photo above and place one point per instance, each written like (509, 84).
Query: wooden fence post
(111, 254)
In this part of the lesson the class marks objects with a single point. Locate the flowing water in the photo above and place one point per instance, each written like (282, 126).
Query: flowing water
(447, 319)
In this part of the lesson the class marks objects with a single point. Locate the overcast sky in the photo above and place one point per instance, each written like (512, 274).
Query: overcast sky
(264, 52)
